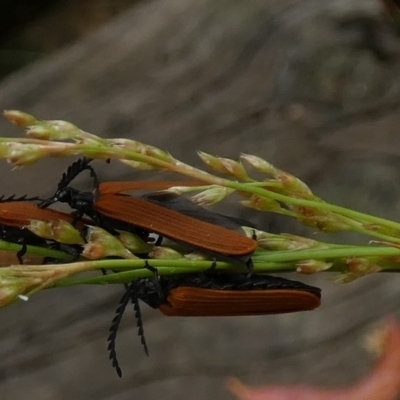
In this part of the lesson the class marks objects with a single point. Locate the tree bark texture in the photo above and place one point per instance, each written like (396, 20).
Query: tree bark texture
(312, 86)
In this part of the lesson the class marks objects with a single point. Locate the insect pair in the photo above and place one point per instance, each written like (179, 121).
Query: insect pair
(177, 218)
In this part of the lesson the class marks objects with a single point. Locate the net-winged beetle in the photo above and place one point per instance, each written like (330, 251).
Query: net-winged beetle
(168, 215)
(216, 294)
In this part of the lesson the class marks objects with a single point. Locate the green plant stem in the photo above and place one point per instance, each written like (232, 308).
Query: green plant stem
(328, 254)
(269, 262)
(251, 188)
(195, 173)
(103, 151)
(39, 251)
(264, 257)
(314, 204)
(128, 276)
(383, 237)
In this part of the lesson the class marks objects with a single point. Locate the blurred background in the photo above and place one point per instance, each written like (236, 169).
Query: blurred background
(312, 86)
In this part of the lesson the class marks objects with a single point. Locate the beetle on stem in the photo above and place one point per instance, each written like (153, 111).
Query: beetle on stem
(216, 294)
(168, 215)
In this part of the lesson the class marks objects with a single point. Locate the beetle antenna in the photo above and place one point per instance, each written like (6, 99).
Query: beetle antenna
(13, 197)
(119, 312)
(138, 316)
(75, 169)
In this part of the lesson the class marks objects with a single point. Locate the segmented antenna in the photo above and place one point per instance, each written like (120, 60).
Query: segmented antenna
(138, 316)
(13, 197)
(74, 170)
(119, 312)
(129, 294)
(67, 177)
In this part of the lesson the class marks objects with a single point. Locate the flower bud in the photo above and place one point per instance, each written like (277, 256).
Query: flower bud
(262, 203)
(213, 162)
(20, 118)
(61, 231)
(235, 169)
(128, 144)
(42, 132)
(101, 244)
(21, 154)
(294, 185)
(165, 253)
(142, 148)
(323, 221)
(312, 266)
(138, 165)
(157, 153)
(133, 242)
(212, 195)
(283, 241)
(196, 256)
(259, 164)
(179, 190)
(357, 267)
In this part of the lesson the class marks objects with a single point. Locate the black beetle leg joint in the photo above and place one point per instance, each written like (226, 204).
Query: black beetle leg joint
(157, 281)
(212, 267)
(151, 269)
(22, 252)
(250, 267)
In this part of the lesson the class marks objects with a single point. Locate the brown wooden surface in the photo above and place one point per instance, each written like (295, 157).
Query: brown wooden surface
(293, 82)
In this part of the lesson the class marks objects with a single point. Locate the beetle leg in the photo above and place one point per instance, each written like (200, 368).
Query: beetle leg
(157, 280)
(22, 252)
(250, 267)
